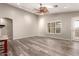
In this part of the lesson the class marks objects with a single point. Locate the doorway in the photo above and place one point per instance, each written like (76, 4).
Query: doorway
(7, 31)
(9, 28)
(75, 28)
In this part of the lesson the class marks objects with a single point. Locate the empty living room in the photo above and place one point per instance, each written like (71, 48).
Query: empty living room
(39, 29)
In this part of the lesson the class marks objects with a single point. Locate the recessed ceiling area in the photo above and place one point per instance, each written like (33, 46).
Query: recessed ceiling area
(62, 7)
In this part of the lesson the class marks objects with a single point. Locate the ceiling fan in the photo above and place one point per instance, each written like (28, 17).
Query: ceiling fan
(43, 9)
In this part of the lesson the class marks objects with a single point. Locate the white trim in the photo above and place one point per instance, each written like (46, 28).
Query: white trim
(23, 37)
(58, 38)
(55, 27)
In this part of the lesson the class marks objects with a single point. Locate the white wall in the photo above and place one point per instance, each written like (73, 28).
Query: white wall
(24, 23)
(66, 19)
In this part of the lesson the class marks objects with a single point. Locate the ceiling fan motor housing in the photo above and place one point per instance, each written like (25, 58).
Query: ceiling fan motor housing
(43, 9)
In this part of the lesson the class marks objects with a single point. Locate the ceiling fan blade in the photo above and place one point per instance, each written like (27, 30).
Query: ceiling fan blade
(41, 9)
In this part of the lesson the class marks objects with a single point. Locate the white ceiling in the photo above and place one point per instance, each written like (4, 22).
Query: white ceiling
(62, 7)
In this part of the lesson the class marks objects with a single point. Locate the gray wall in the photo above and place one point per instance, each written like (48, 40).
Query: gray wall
(24, 23)
(66, 19)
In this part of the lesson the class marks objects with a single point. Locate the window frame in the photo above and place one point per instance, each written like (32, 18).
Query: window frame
(54, 21)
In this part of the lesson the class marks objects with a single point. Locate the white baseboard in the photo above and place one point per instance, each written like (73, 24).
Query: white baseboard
(23, 37)
(58, 38)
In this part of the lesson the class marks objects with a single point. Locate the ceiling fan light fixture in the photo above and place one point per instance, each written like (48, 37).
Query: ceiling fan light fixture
(42, 10)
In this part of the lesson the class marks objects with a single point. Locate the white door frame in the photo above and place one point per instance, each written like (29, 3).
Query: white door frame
(72, 28)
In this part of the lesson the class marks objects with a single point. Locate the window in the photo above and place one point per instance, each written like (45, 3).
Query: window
(54, 27)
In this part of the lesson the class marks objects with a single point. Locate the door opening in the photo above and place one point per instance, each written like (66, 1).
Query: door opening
(75, 29)
(7, 30)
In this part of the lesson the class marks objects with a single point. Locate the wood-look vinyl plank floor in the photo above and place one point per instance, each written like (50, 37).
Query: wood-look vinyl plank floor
(44, 46)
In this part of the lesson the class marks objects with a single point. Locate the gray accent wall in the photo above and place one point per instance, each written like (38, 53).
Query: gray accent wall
(24, 23)
(66, 19)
